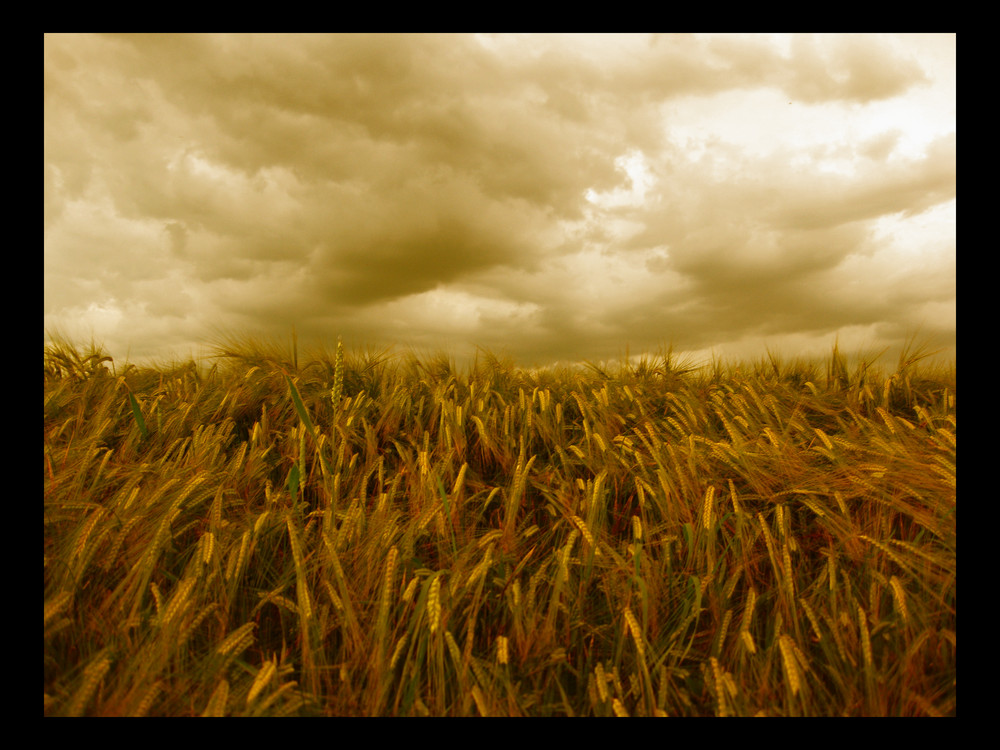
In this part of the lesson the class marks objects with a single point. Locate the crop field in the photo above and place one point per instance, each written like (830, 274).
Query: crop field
(365, 534)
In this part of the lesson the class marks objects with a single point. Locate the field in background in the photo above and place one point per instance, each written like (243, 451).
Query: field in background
(359, 534)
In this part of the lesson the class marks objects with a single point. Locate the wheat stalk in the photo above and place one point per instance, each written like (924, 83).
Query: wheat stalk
(434, 604)
(216, 705)
(707, 510)
(786, 645)
(337, 391)
(92, 675)
(502, 650)
(264, 675)
(633, 626)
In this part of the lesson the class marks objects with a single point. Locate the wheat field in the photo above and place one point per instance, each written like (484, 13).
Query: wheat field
(362, 534)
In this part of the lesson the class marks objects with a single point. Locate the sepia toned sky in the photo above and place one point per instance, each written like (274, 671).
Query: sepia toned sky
(550, 197)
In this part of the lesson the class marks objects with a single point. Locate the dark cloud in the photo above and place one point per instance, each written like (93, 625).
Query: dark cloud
(470, 190)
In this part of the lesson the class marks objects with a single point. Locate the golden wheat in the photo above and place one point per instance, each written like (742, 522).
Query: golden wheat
(788, 659)
(633, 626)
(237, 641)
(483, 483)
(502, 650)
(900, 596)
(56, 605)
(398, 651)
(582, 526)
(748, 609)
(456, 654)
(866, 645)
(720, 695)
(92, 675)
(179, 600)
(207, 545)
(264, 676)
(410, 590)
(216, 705)
(601, 679)
(706, 519)
(434, 604)
(146, 703)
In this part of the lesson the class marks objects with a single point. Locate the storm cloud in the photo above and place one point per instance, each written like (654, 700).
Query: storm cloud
(554, 197)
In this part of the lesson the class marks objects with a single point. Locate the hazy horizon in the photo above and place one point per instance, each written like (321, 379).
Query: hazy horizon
(553, 198)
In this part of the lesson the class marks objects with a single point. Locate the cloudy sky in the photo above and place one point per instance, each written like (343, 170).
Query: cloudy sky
(550, 197)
